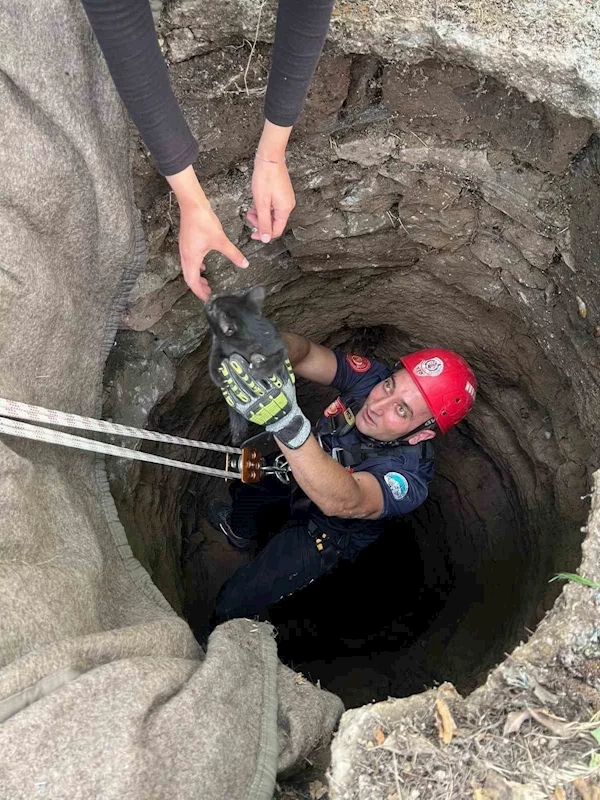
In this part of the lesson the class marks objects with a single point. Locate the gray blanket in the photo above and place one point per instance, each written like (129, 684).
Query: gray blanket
(103, 690)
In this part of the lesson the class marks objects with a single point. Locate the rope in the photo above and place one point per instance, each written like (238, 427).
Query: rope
(10, 408)
(12, 427)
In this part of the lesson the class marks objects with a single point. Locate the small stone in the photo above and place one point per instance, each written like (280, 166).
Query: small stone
(581, 308)
(182, 45)
(366, 150)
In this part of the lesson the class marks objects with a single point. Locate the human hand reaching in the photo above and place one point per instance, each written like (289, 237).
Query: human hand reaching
(274, 199)
(199, 232)
(272, 190)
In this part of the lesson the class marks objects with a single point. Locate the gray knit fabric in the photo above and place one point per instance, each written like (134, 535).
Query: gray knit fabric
(104, 692)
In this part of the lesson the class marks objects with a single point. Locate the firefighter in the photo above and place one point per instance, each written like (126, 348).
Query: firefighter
(369, 458)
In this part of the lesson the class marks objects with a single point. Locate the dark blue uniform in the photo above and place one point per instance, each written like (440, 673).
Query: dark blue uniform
(310, 543)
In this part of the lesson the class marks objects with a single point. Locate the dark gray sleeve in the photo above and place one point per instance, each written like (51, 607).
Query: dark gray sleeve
(302, 26)
(126, 34)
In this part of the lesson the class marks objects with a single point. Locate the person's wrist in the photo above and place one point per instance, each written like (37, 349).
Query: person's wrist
(193, 203)
(258, 157)
(193, 200)
(273, 142)
(293, 430)
(186, 187)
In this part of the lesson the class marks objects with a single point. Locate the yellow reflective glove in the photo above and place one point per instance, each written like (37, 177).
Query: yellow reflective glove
(270, 402)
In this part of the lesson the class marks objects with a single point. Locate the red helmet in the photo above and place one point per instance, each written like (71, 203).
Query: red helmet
(446, 381)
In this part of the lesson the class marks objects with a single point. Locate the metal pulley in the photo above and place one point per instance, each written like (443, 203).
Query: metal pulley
(280, 469)
(251, 466)
(249, 463)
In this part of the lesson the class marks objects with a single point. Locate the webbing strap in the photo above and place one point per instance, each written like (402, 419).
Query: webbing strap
(21, 411)
(363, 449)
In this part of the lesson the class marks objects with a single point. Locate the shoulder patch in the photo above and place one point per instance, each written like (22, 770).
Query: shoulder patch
(337, 407)
(397, 484)
(358, 363)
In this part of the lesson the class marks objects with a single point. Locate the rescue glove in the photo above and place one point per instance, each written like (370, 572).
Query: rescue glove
(265, 401)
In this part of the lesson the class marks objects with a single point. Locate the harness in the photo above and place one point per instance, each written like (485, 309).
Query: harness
(348, 455)
(331, 543)
(351, 455)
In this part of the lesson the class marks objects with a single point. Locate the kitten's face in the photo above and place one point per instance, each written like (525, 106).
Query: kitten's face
(236, 319)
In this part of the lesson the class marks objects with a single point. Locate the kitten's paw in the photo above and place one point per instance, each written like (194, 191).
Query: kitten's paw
(259, 366)
(257, 360)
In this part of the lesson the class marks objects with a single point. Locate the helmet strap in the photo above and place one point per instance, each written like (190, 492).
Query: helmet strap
(426, 426)
(430, 423)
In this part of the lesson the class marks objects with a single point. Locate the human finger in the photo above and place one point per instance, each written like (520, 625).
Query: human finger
(280, 218)
(230, 251)
(252, 217)
(264, 220)
(196, 282)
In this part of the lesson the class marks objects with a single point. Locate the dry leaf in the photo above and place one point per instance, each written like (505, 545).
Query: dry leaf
(317, 790)
(444, 722)
(300, 679)
(408, 745)
(417, 745)
(447, 689)
(581, 307)
(379, 736)
(514, 721)
(392, 744)
(498, 788)
(543, 695)
(586, 790)
(559, 794)
(559, 727)
(526, 791)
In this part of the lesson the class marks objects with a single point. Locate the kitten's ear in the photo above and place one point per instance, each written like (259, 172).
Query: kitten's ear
(226, 324)
(256, 297)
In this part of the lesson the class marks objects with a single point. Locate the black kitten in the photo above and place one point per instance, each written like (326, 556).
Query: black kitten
(238, 326)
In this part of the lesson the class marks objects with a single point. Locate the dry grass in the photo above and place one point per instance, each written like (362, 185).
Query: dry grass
(411, 762)
(498, 753)
(253, 46)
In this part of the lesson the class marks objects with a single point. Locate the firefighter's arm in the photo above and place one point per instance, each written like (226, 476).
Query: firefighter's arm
(337, 492)
(309, 360)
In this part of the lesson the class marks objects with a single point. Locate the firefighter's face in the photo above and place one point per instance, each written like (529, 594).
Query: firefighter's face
(393, 409)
